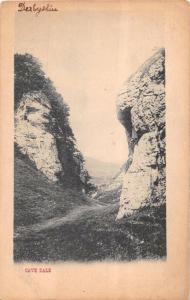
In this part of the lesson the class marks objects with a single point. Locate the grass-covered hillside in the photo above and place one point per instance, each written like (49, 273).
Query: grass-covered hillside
(91, 233)
(37, 198)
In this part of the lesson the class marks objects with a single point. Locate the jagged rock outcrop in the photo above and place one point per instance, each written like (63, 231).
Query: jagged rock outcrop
(141, 110)
(37, 134)
(42, 129)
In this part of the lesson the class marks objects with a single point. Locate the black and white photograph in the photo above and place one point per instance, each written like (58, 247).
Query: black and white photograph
(89, 137)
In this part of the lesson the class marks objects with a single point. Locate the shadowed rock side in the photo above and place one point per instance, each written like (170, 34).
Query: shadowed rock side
(141, 110)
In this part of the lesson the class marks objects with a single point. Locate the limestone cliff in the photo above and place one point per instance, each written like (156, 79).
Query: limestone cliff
(32, 119)
(141, 110)
(42, 129)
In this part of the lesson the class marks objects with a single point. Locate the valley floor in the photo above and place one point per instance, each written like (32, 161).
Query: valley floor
(56, 224)
(91, 233)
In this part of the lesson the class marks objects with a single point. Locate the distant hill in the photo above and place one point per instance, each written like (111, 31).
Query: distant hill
(99, 169)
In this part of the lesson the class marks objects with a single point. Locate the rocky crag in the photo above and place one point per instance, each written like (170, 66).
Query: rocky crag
(42, 130)
(141, 110)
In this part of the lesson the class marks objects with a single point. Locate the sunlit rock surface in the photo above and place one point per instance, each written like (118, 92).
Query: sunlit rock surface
(39, 135)
(32, 119)
(141, 110)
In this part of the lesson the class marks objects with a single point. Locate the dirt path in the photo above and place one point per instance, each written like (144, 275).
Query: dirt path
(24, 231)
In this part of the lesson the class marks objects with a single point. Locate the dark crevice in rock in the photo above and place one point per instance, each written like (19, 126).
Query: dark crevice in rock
(132, 137)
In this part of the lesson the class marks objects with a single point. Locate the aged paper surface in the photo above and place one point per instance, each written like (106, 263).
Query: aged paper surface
(62, 235)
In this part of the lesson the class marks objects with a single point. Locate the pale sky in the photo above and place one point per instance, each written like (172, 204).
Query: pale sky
(88, 56)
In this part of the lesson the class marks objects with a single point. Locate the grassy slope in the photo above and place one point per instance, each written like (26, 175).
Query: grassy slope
(85, 230)
(36, 198)
(96, 236)
(93, 234)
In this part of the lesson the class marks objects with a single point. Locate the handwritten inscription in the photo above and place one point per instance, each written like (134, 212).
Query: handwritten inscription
(36, 9)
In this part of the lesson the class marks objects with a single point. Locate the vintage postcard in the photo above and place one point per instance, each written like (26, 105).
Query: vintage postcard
(95, 149)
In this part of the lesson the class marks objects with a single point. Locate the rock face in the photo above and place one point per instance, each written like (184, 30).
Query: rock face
(33, 122)
(42, 129)
(141, 110)
(38, 134)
